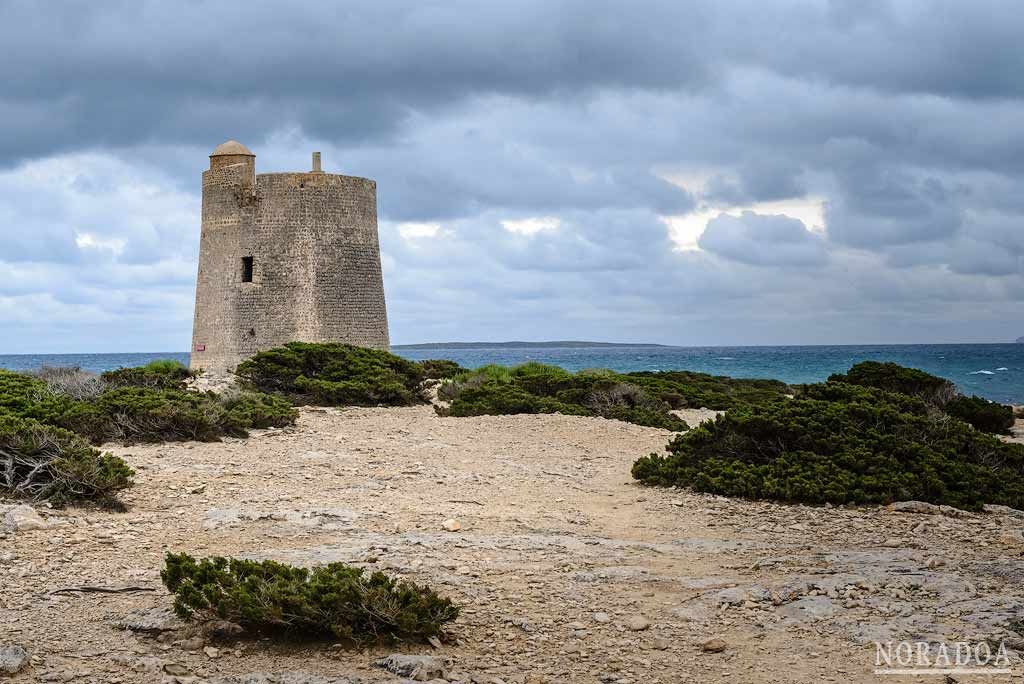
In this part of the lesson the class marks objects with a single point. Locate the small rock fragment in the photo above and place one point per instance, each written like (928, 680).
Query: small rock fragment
(176, 670)
(223, 630)
(192, 644)
(418, 668)
(637, 623)
(452, 525)
(714, 645)
(13, 658)
(152, 621)
(24, 517)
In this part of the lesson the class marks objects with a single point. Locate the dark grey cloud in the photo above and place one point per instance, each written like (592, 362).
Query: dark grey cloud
(602, 122)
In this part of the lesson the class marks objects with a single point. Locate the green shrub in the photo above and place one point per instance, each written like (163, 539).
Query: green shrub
(626, 402)
(334, 374)
(246, 410)
(40, 461)
(984, 415)
(688, 389)
(29, 397)
(838, 443)
(144, 414)
(494, 399)
(646, 417)
(335, 601)
(541, 379)
(439, 369)
(895, 378)
(644, 398)
(162, 374)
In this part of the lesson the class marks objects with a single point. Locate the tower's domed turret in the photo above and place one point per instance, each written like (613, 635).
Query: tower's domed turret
(232, 148)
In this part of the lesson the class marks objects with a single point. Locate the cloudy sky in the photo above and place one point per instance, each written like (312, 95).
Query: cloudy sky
(728, 172)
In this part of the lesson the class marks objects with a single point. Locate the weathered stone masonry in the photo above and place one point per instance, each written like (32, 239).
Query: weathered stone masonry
(311, 239)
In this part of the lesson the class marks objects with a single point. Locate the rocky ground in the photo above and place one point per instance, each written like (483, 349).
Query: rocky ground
(567, 570)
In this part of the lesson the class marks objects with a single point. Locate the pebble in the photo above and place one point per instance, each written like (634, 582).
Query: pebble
(417, 667)
(715, 645)
(452, 525)
(602, 617)
(13, 658)
(176, 670)
(637, 623)
(23, 518)
(193, 644)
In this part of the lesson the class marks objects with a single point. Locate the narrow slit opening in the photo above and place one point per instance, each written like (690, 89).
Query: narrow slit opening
(247, 269)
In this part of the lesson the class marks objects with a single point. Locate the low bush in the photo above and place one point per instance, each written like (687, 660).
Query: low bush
(626, 402)
(133, 413)
(334, 374)
(29, 397)
(493, 399)
(984, 415)
(893, 377)
(335, 601)
(839, 443)
(40, 461)
(440, 369)
(247, 410)
(143, 414)
(538, 388)
(161, 374)
(72, 382)
(688, 389)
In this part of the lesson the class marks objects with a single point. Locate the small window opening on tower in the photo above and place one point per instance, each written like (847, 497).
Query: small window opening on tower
(247, 269)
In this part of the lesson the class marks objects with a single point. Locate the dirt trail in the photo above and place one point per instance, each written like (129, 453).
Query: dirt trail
(568, 571)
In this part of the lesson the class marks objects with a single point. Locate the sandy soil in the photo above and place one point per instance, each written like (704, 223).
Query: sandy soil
(553, 533)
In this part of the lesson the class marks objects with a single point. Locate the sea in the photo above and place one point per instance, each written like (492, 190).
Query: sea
(993, 371)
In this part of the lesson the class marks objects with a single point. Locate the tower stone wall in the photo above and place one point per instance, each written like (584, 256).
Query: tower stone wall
(284, 257)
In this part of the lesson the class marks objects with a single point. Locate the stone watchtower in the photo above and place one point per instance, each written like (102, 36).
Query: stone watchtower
(284, 257)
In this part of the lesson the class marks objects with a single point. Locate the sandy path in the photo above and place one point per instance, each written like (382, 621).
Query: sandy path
(553, 530)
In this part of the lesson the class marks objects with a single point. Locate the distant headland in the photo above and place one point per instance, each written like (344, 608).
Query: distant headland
(558, 344)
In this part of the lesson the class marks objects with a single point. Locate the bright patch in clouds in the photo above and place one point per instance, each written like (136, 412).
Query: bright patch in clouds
(90, 241)
(686, 230)
(412, 230)
(531, 226)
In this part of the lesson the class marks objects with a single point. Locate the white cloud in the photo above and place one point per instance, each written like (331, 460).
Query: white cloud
(410, 230)
(531, 226)
(686, 230)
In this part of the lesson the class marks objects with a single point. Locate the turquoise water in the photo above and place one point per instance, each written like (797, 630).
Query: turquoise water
(994, 371)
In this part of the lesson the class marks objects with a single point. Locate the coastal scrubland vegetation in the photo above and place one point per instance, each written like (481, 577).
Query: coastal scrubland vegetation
(644, 398)
(39, 461)
(344, 375)
(49, 419)
(877, 434)
(334, 601)
(334, 374)
(984, 415)
(145, 404)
